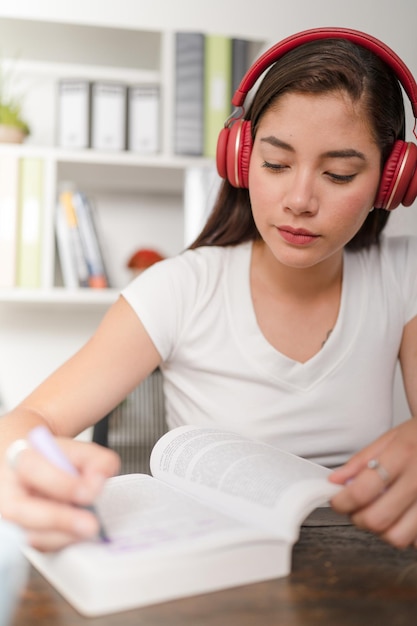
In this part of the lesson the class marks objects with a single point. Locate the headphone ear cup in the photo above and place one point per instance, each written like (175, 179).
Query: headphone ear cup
(389, 176)
(244, 154)
(221, 152)
(411, 191)
(238, 151)
(399, 177)
(233, 150)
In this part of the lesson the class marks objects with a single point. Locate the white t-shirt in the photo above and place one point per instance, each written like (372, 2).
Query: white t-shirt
(220, 370)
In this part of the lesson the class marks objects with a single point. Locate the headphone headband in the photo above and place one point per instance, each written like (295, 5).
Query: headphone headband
(363, 39)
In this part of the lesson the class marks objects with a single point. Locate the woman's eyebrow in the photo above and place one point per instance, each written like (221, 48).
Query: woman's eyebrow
(347, 153)
(277, 143)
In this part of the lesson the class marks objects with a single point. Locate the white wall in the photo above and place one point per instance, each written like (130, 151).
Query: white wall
(47, 338)
(394, 22)
(266, 19)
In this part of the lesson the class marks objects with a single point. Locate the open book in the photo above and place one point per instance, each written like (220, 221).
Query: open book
(218, 511)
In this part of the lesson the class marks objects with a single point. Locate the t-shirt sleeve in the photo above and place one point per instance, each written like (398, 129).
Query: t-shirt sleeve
(403, 256)
(163, 297)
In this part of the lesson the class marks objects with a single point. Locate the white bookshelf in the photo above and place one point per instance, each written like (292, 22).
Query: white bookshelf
(139, 198)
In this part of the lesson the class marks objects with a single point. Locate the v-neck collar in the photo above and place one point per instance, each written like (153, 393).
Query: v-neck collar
(263, 356)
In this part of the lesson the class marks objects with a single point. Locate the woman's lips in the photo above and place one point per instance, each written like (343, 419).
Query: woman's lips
(298, 236)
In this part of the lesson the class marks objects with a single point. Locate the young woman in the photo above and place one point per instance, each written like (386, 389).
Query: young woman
(284, 321)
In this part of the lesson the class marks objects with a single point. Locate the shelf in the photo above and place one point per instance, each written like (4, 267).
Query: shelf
(131, 159)
(58, 297)
(118, 172)
(126, 173)
(123, 158)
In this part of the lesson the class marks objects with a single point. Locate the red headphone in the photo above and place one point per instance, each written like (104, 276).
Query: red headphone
(399, 177)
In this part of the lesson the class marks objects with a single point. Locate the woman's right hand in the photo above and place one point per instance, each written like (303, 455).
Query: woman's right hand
(48, 502)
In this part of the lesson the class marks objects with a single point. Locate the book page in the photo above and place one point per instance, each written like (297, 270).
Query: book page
(144, 515)
(164, 544)
(253, 481)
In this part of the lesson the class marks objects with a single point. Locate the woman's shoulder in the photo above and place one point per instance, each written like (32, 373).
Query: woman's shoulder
(392, 248)
(196, 269)
(393, 261)
(209, 260)
(217, 254)
(399, 250)
(396, 243)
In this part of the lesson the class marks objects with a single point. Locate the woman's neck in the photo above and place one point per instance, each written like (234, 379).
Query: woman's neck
(296, 309)
(303, 283)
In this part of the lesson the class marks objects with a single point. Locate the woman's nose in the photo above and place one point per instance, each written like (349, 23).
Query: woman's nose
(301, 196)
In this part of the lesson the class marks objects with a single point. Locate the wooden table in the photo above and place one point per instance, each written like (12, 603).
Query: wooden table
(341, 577)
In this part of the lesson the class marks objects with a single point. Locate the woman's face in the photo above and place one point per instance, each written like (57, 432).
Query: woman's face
(313, 176)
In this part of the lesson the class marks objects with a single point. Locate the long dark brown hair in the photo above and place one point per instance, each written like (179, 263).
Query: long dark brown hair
(316, 67)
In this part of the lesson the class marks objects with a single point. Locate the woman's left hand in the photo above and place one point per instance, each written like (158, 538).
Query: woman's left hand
(380, 492)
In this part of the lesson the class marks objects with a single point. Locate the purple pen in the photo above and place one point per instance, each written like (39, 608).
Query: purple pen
(41, 439)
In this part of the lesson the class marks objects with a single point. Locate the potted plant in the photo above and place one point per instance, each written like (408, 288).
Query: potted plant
(13, 127)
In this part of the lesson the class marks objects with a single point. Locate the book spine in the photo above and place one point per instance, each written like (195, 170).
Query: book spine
(97, 275)
(240, 62)
(9, 180)
(218, 77)
(109, 116)
(144, 119)
(64, 247)
(189, 94)
(31, 207)
(74, 109)
(77, 251)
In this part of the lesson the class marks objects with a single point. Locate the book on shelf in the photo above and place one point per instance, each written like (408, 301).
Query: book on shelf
(208, 70)
(9, 185)
(64, 248)
(79, 249)
(217, 88)
(74, 108)
(189, 93)
(218, 511)
(69, 243)
(30, 222)
(90, 240)
(108, 116)
(143, 119)
(240, 61)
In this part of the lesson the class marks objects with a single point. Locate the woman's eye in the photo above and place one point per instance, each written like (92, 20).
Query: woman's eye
(275, 167)
(341, 178)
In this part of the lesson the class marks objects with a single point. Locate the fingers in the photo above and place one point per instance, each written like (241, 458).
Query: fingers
(41, 514)
(404, 532)
(38, 476)
(49, 541)
(360, 460)
(90, 457)
(47, 501)
(381, 491)
(93, 463)
(392, 515)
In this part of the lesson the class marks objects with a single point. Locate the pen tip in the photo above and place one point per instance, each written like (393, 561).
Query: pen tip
(103, 537)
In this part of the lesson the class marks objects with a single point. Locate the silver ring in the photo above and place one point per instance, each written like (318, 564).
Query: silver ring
(14, 450)
(374, 464)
